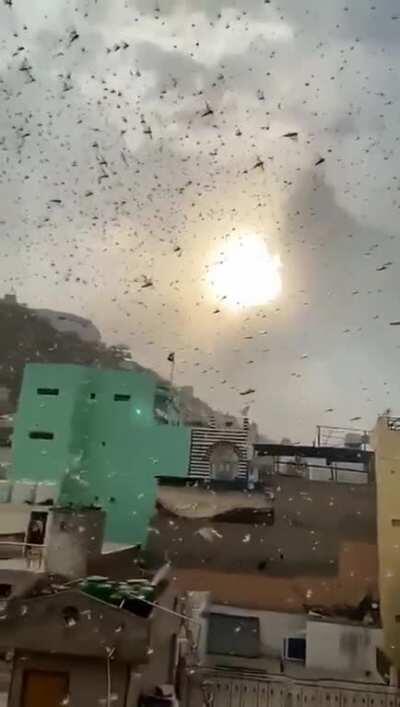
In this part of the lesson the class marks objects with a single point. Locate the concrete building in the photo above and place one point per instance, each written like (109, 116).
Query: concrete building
(279, 581)
(90, 628)
(93, 642)
(279, 576)
(291, 643)
(87, 436)
(248, 658)
(387, 455)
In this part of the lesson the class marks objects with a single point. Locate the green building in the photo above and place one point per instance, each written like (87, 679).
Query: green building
(102, 436)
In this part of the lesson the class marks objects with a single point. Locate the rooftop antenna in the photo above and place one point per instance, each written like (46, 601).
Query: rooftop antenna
(171, 359)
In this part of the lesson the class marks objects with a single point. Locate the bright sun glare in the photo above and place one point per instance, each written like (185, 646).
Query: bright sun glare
(246, 274)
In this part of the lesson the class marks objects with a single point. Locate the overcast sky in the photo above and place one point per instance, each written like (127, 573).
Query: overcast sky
(103, 108)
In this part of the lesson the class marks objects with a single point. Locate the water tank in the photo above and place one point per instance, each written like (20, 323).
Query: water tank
(354, 440)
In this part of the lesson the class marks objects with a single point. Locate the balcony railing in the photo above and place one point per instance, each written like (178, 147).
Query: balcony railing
(23, 555)
(351, 437)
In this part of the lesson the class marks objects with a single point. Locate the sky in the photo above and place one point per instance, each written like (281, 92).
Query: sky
(130, 132)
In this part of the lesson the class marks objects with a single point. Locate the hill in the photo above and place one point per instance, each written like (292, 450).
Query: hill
(27, 337)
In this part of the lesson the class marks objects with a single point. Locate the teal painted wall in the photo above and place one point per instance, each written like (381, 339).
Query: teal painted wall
(104, 451)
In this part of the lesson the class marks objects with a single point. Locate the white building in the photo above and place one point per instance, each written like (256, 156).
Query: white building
(248, 658)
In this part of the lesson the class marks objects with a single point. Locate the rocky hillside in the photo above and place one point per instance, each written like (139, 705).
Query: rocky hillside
(28, 338)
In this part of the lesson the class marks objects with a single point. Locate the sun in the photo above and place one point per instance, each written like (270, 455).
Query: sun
(245, 273)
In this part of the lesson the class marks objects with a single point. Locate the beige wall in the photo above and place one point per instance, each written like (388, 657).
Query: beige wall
(357, 575)
(99, 626)
(87, 679)
(387, 452)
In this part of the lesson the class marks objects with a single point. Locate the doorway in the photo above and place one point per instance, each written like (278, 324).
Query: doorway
(34, 539)
(37, 528)
(44, 689)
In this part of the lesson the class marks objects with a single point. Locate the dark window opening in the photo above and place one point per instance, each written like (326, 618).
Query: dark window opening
(295, 649)
(92, 396)
(396, 522)
(234, 635)
(41, 435)
(5, 590)
(70, 615)
(121, 397)
(48, 391)
(37, 528)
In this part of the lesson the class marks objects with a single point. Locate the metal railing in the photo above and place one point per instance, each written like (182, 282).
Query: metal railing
(271, 690)
(351, 437)
(309, 469)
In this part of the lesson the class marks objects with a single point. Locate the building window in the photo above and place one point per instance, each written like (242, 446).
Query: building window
(92, 396)
(70, 615)
(48, 391)
(396, 522)
(232, 635)
(41, 435)
(121, 397)
(295, 649)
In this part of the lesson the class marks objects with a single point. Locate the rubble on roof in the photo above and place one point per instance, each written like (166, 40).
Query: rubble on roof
(200, 503)
(366, 611)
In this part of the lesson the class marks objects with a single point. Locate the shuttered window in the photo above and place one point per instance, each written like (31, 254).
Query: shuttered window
(233, 635)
